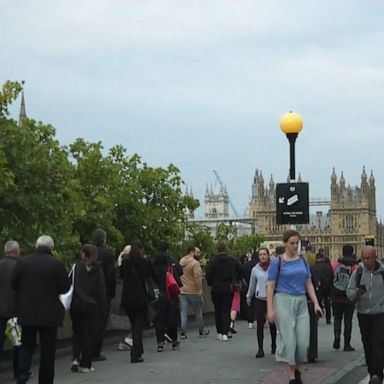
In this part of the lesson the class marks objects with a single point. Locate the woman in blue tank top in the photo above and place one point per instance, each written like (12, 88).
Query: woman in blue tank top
(289, 280)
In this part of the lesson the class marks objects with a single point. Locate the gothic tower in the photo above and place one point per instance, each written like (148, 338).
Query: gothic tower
(216, 204)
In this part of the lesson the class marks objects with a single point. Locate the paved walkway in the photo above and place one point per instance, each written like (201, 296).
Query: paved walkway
(209, 361)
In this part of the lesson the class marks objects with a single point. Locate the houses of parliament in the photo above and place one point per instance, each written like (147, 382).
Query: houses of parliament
(349, 218)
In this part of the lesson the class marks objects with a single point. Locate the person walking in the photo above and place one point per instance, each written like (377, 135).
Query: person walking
(341, 305)
(134, 270)
(257, 295)
(107, 264)
(89, 302)
(289, 280)
(38, 280)
(192, 291)
(167, 308)
(7, 296)
(221, 273)
(366, 287)
(248, 266)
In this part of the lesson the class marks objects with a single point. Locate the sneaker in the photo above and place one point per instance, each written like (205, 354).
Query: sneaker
(232, 330)
(348, 348)
(260, 354)
(128, 341)
(250, 325)
(85, 369)
(220, 336)
(160, 347)
(175, 345)
(225, 338)
(204, 333)
(124, 345)
(75, 365)
(137, 360)
(167, 338)
(183, 335)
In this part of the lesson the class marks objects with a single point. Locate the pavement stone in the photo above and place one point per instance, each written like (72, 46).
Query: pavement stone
(209, 361)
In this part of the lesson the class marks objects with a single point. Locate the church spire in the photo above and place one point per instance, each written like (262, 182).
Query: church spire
(23, 113)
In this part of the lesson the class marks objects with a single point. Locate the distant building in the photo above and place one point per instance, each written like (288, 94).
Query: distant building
(216, 204)
(351, 216)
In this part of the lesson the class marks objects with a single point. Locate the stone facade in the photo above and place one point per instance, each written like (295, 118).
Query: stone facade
(216, 204)
(350, 218)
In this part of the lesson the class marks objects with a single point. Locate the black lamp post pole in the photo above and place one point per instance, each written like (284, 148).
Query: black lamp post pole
(292, 170)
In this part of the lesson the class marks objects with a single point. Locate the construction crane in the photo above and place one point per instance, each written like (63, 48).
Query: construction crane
(223, 187)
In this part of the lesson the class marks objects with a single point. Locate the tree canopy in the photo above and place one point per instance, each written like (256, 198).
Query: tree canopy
(69, 191)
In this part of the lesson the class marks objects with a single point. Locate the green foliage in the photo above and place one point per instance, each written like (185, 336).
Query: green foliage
(8, 94)
(245, 244)
(67, 192)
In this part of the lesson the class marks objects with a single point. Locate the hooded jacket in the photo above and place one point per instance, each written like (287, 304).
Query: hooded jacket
(372, 301)
(191, 277)
(222, 271)
(258, 283)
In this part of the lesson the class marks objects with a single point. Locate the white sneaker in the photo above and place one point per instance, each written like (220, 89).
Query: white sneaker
(220, 337)
(250, 325)
(85, 369)
(225, 338)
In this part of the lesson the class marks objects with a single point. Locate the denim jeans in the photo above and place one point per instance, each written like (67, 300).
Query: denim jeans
(196, 302)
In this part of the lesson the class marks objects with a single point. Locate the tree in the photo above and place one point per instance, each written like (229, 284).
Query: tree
(8, 94)
(37, 197)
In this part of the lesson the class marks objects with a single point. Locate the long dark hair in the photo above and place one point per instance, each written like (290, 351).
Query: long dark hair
(89, 254)
(137, 249)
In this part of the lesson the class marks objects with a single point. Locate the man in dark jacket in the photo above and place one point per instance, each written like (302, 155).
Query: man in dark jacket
(107, 263)
(7, 294)
(38, 280)
(221, 273)
(250, 309)
(341, 305)
(322, 278)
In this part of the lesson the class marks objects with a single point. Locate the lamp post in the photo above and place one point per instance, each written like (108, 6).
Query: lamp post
(291, 124)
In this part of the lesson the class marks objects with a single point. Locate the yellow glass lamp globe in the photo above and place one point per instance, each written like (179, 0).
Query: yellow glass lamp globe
(291, 122)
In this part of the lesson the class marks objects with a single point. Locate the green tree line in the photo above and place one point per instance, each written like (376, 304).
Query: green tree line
(67, 191)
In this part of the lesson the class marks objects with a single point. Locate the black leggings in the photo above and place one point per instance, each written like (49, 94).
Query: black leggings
(261, 316)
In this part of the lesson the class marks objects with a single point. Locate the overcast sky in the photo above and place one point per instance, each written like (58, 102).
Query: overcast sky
(203, 84)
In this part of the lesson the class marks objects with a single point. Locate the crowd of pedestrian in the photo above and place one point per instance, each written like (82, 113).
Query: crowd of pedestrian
(289, 291)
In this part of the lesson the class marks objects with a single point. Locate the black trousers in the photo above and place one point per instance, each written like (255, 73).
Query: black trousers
(260, 309)
(16, 350)
(341, 310)
(138, 319)
(167, 319)
(312, 353)
(84, 331)
(251, 315)
(222, 302)
(102, 323)
(372, 336)
(47, 336)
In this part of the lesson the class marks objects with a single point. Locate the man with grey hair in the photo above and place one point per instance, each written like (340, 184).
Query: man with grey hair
(107, 264)
(366, 287)
(7, 294)
(38, 280)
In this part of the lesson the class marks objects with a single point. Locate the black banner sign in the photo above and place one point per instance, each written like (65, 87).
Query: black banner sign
(292, 203)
